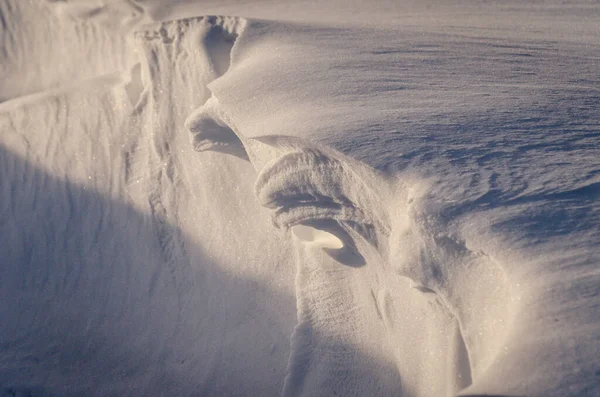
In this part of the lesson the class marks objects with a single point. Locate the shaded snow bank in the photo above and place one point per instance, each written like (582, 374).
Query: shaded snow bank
(114, 274)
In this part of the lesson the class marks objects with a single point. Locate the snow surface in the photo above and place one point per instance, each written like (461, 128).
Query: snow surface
(299, 198)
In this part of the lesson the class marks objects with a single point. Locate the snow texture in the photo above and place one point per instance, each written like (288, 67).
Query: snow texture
(299, 199)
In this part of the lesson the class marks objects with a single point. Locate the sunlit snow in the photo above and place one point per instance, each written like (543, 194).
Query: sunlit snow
(299, 198)
(318, 237)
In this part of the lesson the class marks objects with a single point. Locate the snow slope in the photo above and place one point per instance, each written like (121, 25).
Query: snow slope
(302, 199)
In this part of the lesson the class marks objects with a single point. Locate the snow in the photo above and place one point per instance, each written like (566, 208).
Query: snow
(320, 238)
(299, 198)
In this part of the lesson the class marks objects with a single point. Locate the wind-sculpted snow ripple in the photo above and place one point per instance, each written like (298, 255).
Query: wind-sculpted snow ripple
(310, 185)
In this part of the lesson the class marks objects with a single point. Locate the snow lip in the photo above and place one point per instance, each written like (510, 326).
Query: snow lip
(318, 237)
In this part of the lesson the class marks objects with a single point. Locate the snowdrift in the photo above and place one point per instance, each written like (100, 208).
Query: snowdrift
(383, 200)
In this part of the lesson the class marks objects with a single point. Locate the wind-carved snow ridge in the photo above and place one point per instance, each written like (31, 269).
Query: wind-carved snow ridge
(208, 131)
(368, 230)
(178, 46)
(392, 228)
(306, 185)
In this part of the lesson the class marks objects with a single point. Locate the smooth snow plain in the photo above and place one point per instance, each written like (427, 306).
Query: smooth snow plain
(302, 198)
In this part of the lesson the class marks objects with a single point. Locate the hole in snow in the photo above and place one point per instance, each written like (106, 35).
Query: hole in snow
(218, 43)
(209, 133)
(318, 237)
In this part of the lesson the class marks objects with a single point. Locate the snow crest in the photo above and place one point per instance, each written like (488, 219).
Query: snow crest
(387, 225)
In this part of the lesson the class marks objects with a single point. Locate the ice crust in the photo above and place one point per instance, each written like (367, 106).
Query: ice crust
(297, 202)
